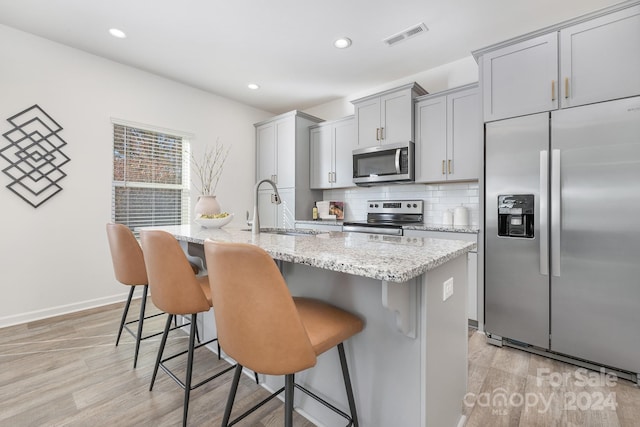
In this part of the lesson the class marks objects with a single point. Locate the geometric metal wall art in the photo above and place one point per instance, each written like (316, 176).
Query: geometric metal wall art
(34, 155)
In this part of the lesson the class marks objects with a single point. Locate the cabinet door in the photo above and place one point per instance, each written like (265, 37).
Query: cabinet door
(600, 59)
(464, 136)
(396, 117)
(368, 122)
(265, 152)
(521, 79)
(286, 152)
(344, 141)
(267, 210)
(286, 211)
(320, 158)
(431, 139)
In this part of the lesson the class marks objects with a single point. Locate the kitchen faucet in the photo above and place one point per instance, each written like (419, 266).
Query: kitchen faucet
(255, 227)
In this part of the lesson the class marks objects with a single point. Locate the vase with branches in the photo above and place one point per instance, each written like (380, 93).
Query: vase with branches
(208, 169)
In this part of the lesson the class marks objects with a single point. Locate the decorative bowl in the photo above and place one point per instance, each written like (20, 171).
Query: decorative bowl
(213, 222)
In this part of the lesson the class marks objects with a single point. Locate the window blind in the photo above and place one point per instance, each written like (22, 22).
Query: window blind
(150, 177)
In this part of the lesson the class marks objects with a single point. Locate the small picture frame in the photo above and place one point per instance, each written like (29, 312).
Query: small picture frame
(337, 209)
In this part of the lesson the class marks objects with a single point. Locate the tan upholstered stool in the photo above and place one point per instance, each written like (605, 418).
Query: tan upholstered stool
(129, 269)
(263, 328)
(176, 290)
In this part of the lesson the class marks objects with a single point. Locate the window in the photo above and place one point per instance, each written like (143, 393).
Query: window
(150, 177)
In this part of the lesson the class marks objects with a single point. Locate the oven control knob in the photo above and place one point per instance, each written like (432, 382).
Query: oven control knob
(376, 205)
(370, 205)
(408, 205)
(415, 205)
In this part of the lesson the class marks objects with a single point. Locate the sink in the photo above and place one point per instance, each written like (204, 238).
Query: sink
(288, 231)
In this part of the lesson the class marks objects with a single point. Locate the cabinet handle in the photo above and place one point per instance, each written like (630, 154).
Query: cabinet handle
(449, 167)
(381, 133)
(553, 90)
(333, 175)
(377, 134)
(443, 167)
(566, 87)
(274, 178)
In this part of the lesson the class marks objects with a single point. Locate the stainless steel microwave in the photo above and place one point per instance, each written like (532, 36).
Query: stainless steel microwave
(383, 164)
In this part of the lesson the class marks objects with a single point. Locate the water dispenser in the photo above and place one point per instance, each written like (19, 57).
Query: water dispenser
(515, 215)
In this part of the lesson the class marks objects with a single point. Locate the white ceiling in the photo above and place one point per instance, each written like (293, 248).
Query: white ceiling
(286, 46)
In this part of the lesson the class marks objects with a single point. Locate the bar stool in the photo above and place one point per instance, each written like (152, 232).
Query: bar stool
(263, 328)
(129, 269)
(176, 290)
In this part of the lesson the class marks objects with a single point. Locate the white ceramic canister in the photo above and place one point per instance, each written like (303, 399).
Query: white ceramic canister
(447, 217)
(460, 216)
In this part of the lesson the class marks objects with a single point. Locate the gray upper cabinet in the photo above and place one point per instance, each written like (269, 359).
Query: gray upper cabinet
(386, 117)
(449, 135)
(331, 146)
(276, 148)
(589, 59)
(521, 79)
(600, 58)
(282, 155)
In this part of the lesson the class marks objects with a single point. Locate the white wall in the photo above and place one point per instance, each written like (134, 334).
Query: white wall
(437, 79)
(55, 258)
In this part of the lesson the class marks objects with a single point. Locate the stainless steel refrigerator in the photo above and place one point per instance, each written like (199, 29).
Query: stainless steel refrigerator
(562, 227)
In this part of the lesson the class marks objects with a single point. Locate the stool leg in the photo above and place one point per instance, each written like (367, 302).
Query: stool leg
(187, 382)
(124, 314)
(143, 304)
(232, 395)
(161, 349)
(288, 400)
(347, 385)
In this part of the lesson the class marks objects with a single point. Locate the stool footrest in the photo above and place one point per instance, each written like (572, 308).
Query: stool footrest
(178, 380)
(306, 391)
(155, 334)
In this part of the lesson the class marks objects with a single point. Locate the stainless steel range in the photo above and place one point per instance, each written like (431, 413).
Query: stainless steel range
(388, 217)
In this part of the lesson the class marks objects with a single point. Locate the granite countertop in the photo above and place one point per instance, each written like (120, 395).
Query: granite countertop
(390, 258)
(448, 228)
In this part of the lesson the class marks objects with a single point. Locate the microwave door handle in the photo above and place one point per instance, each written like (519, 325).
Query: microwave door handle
(398, 151)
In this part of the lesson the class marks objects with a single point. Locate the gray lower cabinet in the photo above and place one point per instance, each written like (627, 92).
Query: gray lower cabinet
(474, 299)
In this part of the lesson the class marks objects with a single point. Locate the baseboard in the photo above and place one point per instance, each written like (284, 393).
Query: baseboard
(31, 316)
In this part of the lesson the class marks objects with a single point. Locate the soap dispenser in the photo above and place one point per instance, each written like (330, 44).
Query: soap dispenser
(314, 211)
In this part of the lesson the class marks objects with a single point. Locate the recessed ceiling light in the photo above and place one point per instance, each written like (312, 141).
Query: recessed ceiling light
(342, 43)
(117, 33)
(253, 86)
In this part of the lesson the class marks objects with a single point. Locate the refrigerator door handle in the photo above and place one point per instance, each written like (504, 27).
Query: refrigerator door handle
(555, 213)
(544, 212)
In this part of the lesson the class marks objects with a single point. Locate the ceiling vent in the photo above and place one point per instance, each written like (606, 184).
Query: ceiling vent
(406, 34)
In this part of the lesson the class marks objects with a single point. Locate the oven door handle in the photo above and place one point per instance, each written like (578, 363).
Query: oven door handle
(398, 152)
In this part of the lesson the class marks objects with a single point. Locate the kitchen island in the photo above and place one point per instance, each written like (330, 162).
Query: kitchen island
(409, 365)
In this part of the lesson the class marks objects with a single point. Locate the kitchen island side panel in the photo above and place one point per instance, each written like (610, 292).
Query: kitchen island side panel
(397, 380)
(384, 364)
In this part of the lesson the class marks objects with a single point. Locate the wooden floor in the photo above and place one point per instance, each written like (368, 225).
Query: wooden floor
(66, 371)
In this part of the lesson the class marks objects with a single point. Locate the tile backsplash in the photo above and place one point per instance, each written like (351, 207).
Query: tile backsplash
(437, 199)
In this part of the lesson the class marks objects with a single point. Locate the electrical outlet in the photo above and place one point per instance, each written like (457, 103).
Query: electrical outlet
(447, 289)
